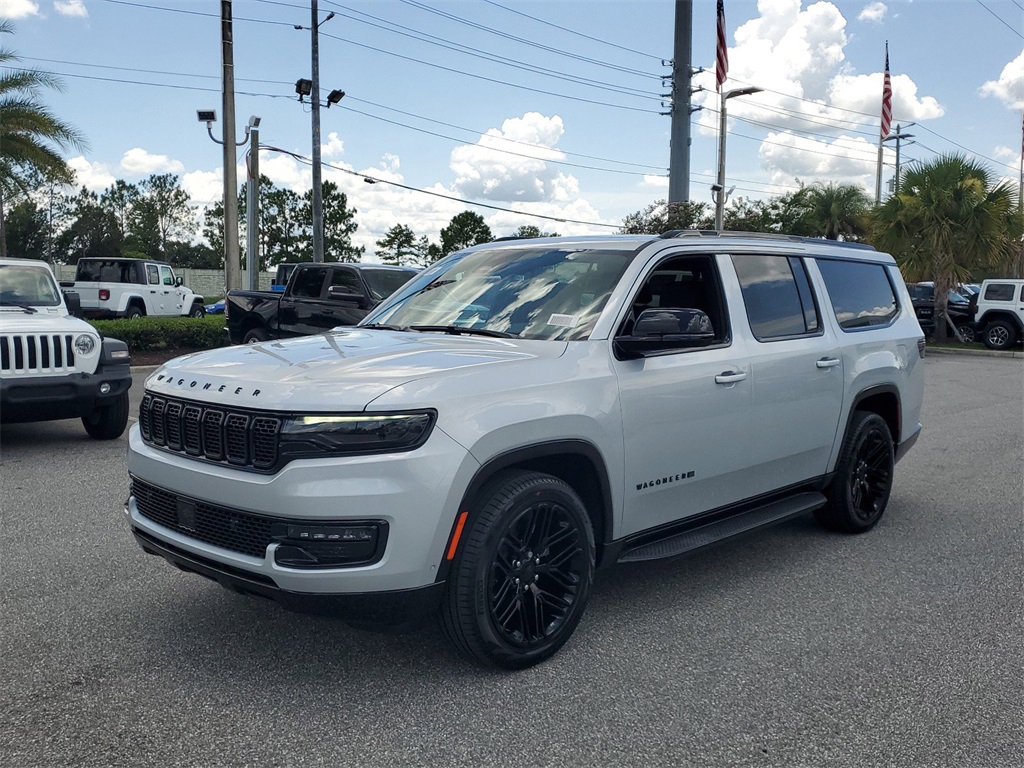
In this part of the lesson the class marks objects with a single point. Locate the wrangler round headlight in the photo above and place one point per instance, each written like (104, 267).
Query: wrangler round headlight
(345, 434)
(85, 344)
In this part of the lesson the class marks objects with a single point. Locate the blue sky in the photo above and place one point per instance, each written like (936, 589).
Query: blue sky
(576, 96)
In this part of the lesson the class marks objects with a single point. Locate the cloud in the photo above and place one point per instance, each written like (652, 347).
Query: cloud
(845, 160)
(487, 170)
(204, 187)
(71, 8)
(873, 13)
(20, 9)
(334, 147)
(93, 176)
(1009, 88)
(139, 161)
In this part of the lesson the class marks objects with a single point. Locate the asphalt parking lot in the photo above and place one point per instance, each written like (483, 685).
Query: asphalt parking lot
(793, 647)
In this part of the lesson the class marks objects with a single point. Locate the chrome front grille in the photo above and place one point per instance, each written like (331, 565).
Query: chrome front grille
(240, 438)
(37, 353)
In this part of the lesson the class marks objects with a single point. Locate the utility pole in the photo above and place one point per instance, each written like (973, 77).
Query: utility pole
(898, 137)
(318, 194)
(252, 206)
(232, 270)
(679, 147)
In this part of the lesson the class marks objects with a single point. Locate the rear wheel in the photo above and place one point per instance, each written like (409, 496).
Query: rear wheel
(521, 577)
(133, 313)
(860, 491)
(108, 422)
(966, 333)
(254, 336)
(1000, 334)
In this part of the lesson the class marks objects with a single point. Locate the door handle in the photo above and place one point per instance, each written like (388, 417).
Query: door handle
(828, 362)
(730, 377)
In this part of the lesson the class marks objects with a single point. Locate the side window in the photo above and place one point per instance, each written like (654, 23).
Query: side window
(777, 296)
(999, 292)
(166, 276)
(683, 282)
(862, 294)
(153, 274)
(308, 283)
(347, 279)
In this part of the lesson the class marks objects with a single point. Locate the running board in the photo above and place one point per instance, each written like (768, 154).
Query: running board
(720, 530)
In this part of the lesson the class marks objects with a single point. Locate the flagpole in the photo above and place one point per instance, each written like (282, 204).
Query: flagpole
(878, 174)
(885, 124)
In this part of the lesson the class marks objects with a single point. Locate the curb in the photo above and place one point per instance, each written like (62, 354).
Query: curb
(973, 352)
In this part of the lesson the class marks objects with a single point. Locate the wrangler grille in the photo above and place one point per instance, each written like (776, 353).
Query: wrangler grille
(232, 529)
(37, 353)
(243, 439)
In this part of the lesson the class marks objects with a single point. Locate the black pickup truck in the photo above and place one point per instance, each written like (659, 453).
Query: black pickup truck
(318, 297)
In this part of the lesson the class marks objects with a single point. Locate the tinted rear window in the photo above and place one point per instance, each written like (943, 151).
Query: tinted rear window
(999, 292)
(108, 271)
(862, 294)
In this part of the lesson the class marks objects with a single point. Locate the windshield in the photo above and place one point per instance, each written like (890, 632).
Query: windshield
(383, 282)
(27, 285)
(530, 293)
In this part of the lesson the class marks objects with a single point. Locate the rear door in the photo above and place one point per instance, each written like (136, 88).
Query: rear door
(797, 370)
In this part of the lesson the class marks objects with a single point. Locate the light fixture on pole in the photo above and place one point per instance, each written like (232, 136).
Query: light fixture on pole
(718, 189)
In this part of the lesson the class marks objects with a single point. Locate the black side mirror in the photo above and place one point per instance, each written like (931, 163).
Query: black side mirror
(178, 282)
(660, 330)
(74, 303)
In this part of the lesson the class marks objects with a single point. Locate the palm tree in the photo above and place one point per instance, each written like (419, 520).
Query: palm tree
(834, 210)
(948, 221)
(30, 135)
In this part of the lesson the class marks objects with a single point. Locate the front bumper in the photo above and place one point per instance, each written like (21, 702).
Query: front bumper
(45, 398)
(416, 495)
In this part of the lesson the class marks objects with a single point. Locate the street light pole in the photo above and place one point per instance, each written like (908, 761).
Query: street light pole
(232, 278)
(252, 206)
(719, 188)
(318, 195)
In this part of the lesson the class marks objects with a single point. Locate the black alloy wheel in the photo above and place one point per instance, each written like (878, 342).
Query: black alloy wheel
(521, 576)
(864, 474)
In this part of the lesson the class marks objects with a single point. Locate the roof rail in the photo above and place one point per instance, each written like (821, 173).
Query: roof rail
(674, 233)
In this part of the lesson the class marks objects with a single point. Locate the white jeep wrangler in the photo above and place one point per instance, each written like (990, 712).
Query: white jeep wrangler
(53, 365)
(133, 288)
(1000, 317)
(523, 412)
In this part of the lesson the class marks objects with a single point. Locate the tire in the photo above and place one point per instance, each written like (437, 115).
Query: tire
(967, 332)
(860, 490)
(999, 334)
(133, 313)
(108, 421)
(197, 311)
(521, 577)
(254, 336)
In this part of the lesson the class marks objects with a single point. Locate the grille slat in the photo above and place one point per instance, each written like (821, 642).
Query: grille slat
(240, 438)
(34, 354)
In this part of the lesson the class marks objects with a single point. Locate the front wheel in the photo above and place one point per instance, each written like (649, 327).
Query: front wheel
(254, 336)
(860, 491)
(967, 333)
(999, 334)
(197, 311)
(108, 422)
(521, 577)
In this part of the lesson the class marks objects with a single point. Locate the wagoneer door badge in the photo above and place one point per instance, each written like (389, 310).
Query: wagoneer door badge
(668, 479)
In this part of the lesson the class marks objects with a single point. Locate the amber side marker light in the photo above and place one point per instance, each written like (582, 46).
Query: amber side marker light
(457, 535)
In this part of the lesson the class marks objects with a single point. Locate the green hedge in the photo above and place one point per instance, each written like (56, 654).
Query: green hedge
(152, 334)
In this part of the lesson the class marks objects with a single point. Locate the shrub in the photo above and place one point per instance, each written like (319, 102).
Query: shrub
(152, 334)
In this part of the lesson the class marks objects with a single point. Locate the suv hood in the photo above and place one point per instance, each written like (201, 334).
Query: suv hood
(44, 320)
(338, 371)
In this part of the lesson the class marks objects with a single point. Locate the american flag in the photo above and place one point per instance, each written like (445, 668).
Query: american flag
(886, 97)
(722, 54)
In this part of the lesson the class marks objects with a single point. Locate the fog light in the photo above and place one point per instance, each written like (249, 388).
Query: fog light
(325, 546)
(104, 389)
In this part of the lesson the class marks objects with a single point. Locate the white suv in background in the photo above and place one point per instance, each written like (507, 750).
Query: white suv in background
(1000, 318)
(524, 412)
(133, 288)
(53, 365)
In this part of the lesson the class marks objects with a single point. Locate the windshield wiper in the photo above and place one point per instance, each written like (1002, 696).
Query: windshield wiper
(385, 327)
(20, 305)
(459, 330)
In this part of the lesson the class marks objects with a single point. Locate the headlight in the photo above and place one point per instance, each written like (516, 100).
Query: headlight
(85, 344)
(340, 435)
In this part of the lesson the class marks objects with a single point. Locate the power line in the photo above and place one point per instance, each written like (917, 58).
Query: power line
(524, 41)
(574, 32)
(1001, 19)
